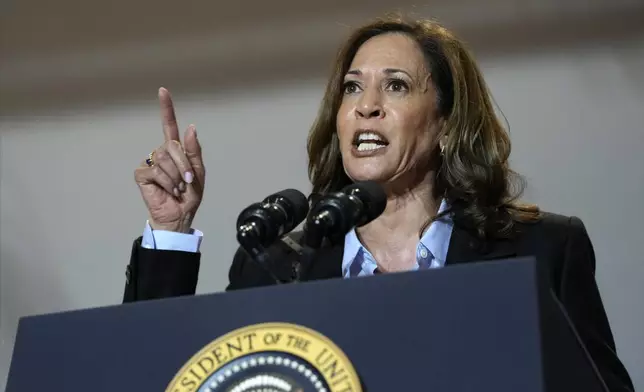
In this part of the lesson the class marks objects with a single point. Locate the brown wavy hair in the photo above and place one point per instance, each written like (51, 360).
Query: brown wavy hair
(473, 173)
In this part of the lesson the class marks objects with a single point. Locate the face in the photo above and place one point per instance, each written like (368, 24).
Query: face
(387, 122)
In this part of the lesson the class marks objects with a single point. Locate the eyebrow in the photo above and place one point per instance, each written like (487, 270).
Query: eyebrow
(388, 71)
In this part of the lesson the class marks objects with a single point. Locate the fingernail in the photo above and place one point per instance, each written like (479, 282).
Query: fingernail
(176, 192)
(194, 129)
(182, 186)
(188, 177)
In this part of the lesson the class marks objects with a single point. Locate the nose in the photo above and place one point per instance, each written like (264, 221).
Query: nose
(369, 107)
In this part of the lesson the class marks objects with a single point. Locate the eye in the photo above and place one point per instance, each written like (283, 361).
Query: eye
(350, 87)
(397, 86)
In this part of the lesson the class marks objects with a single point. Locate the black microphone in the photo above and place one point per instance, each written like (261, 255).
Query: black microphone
(335, 214)
(261, 224)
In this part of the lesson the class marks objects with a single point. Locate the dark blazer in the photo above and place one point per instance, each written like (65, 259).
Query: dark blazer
(560, 244)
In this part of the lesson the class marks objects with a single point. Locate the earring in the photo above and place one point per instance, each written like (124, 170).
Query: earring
(442, 147)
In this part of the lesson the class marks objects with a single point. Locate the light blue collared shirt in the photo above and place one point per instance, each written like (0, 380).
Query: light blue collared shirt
(431, 251)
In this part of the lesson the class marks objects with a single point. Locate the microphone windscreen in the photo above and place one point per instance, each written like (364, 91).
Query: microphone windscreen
(294, 201)
(372, 195)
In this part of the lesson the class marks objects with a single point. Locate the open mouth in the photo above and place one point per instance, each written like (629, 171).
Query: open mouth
(369, 140)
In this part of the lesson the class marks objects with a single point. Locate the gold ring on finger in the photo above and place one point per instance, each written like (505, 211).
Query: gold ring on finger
(150, 159)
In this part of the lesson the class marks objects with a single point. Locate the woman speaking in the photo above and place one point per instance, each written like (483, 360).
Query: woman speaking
(406, 106)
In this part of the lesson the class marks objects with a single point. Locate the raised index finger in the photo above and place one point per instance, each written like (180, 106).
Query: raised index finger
(170, 128)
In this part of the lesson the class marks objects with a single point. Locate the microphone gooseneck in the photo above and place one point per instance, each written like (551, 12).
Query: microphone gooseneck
(335, 214)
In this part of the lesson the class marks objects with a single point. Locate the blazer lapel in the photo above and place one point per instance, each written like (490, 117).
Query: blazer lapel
(465, 248)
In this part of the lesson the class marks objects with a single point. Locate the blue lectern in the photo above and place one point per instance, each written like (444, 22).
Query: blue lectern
(490, 326)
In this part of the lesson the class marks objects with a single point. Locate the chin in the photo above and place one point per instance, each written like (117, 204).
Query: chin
(365, 174)
(368, 169)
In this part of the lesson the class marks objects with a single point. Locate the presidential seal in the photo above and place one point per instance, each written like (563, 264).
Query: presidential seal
(270, 357)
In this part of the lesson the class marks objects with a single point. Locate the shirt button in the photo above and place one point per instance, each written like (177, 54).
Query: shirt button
(423, 253)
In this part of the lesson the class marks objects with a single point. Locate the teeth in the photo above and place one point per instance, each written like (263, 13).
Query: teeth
(369, 146)
(369, 136)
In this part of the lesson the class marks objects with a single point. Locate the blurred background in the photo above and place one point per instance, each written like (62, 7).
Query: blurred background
(78, 85)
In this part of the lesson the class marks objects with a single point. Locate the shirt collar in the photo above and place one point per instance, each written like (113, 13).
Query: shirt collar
(436, 239)
(352, 246)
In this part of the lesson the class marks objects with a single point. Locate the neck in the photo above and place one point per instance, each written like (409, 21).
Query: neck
(404, 216)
